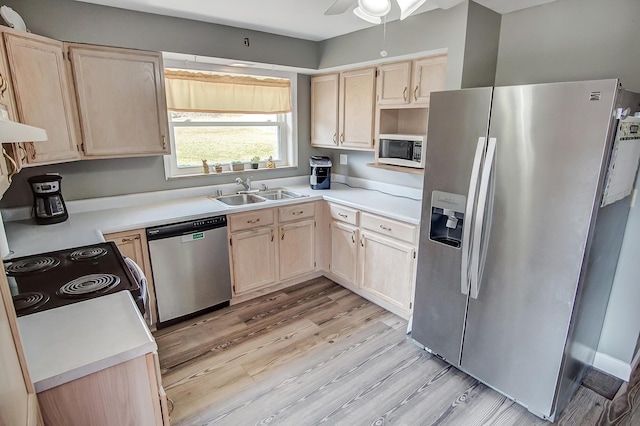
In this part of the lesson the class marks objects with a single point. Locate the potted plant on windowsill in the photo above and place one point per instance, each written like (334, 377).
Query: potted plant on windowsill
(237, 166)
(255, 161)
(218, 167)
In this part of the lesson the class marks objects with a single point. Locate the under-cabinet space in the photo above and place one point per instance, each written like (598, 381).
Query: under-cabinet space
(403, 121)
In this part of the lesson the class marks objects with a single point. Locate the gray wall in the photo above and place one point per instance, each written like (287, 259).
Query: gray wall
(585, 39)
(82, 22)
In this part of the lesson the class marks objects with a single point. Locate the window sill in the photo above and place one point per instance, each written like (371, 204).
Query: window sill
(230, 172)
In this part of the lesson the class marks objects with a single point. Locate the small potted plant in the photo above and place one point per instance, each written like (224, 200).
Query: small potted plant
(218, 167)
(255, 161)
(237, 166)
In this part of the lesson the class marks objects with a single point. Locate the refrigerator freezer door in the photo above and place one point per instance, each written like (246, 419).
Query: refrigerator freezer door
(457, 120)
(550, 160)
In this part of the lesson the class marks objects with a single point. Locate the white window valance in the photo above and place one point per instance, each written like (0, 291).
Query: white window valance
(209, 92)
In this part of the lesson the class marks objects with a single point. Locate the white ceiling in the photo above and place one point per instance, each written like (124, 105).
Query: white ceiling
(303, 19)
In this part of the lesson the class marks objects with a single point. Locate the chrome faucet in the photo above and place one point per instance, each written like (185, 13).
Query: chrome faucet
(246, 183)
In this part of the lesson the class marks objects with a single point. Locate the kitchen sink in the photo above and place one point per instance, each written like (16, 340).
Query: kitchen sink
(279, 194)
(241, 199)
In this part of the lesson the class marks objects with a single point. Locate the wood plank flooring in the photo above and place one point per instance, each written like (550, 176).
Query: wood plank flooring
(318, 354)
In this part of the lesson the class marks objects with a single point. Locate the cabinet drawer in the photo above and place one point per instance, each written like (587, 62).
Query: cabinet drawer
(344, 214)
(240, 221)
(298, 211)
(401, 231)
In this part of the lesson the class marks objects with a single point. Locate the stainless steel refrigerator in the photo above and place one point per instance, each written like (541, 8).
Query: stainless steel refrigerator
(524, 208)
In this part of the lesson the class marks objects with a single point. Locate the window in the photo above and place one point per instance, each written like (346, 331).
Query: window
(202, 129)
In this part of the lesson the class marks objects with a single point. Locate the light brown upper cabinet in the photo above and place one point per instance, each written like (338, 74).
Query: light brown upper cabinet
(121, 101)
(43, 96)
(324, 110)
(411, 82)
(342, 109)
(357, 106)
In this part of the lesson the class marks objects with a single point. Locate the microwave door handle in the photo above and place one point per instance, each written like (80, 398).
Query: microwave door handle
(468, 214)
(478, 250)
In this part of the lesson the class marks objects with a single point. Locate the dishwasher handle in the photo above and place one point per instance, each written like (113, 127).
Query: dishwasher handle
(185, 228)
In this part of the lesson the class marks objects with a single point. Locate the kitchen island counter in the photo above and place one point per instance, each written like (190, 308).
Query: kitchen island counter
(79, 339)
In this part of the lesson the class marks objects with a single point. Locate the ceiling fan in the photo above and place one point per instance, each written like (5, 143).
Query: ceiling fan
(373, 10)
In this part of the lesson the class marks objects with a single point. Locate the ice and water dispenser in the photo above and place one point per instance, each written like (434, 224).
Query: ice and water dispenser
(447, 218)
(320, 172)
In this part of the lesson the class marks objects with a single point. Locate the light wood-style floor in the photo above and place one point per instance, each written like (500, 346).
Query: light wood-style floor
(319, 354)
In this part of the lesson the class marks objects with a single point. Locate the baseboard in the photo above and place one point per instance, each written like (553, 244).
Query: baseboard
(613, 366)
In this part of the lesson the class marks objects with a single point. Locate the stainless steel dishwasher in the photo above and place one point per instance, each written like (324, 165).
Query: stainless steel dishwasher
(190, 263)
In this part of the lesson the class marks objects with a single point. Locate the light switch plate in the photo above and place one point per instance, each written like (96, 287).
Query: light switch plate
(343, 159)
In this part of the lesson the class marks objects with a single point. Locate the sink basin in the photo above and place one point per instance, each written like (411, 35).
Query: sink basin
(241, 199)
(279, 194)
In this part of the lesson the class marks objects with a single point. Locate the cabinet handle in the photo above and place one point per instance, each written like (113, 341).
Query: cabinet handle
(353, 237)
(32, 148)
(415, 94)
(404, 94)
(254, 220)
(282, 236)
(164, 142)
(129, 239)
(272, 235)
(14, 166)
(335, 135)
(297, 213)
(23, 158)
(343, 215)
(341, 137)
(362, 241)
(386, 228)
(3, 85)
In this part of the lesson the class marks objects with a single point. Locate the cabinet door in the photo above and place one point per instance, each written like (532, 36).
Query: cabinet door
(388, 269)
(324, 110)
(429, 75)
(344, 250)
(121, 101)
(18, 403)
(133, 244)
(296, 248)
(393, 83)
(43, 96)
(357, 102)
(253, 259)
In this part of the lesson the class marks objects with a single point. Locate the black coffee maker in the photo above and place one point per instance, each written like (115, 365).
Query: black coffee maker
(48, 204)
(320, 172)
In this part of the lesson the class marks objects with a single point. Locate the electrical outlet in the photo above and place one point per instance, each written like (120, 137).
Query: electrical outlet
(343, 159)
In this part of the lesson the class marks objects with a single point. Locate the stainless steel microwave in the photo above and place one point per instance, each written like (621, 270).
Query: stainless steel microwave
(402, 150)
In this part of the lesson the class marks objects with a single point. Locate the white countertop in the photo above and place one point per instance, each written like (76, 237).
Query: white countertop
(76, 340)
(26, 238)
(73, 341)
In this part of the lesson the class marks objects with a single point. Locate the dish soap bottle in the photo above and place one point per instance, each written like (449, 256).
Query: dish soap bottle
(270, 163)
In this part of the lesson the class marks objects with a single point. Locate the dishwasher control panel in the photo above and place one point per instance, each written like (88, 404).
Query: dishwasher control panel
(184, 228)
(218, 220)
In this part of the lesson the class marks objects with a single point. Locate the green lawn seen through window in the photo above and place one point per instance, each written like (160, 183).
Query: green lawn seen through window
(224, 144)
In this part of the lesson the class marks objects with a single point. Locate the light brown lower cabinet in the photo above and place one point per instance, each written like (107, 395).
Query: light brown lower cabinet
(133, 244)
(374, 256)
(272, 248)
(129, 393)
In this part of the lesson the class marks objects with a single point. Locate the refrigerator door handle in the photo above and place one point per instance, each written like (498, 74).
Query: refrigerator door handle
(468, 214)
(476, 250)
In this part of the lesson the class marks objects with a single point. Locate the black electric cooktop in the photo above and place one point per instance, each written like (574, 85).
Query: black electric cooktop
(53, 279)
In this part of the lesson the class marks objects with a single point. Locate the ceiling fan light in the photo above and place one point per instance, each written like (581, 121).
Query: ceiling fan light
(375, 7)
(364, 15)
(407, 7)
